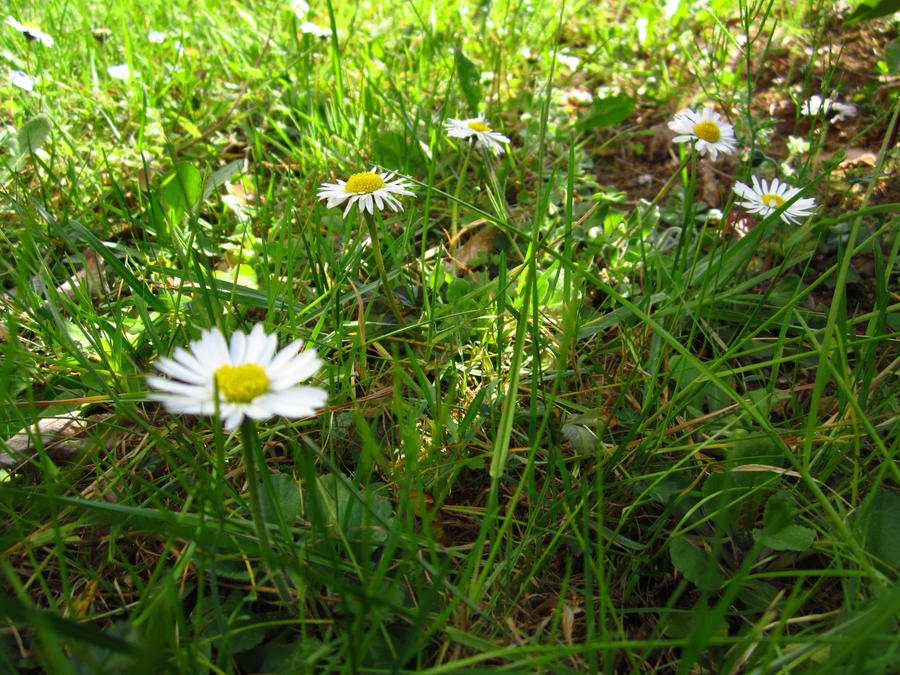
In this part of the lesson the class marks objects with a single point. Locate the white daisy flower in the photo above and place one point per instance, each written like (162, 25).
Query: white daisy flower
(22, 80)
(251, 379)
(476, 128)
(765, 199)
(367, 190)
(845, 110)
(30, 31)
(310, 28)
(121, 71)
(816, 105)
(569, 61)
(300, 7)
(156, 37)
(709, 131)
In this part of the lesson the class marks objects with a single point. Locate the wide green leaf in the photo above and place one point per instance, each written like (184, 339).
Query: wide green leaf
(695, 564)
(362, 515)
(286, 493)
(880, 525)
(181, 190)
(606, 112)
(469, 78)
(25, 141)
(892, 55)
(872, 9)
(780, 532)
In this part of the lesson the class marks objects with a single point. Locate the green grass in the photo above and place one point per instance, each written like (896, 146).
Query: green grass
(605, 434)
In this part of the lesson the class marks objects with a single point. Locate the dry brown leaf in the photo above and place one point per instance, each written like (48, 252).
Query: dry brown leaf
(62, 437)
(852, 157)
(567, 623)
(145, 173)
(709, 184)
(766, 467)
(91, 274)
(661, 142)
(243, 196)
(859, 157)
(480, 242)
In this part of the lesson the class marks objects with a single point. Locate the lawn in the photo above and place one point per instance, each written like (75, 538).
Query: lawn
(518, 336)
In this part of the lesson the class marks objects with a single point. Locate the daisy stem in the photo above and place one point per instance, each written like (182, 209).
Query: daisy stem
(454, 206)
(251, 450)
(379, 261)
(664, 190)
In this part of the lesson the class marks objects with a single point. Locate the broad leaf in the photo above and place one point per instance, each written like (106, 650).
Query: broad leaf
(362, 515)
(469, 79)
(29, 138)
(286, 493)
(880, 525)
(606, 112)
(892, 55)
(181, 190)
(872, 9)
(695, 564)
(780, 532)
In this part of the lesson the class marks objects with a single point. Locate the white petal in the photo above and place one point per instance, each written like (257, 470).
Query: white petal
(180, 388)
(284, 356)
(188, 360)
(184, 404)
(304, 366)
(260, 346)
(233, 418)
(211, 351)
(180, 372)
(297, 402)
(238, 348)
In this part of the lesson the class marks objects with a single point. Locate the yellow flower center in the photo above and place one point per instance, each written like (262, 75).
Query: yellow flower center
(773, 201)
(241, 384)
(708, 131)
(479, 126)
(364, 182)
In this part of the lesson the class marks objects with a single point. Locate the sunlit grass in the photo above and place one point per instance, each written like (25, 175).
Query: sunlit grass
(589, 408)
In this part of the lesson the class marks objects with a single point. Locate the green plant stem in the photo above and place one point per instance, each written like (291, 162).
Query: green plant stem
(249, 447)
(379, 261)
(454, 205)
(664, 190)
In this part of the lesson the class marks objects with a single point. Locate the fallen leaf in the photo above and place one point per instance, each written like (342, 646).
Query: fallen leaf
(482, 242)
(568, 624)
(62, 437)
(709, 184)
(91, 274)
(858, 157)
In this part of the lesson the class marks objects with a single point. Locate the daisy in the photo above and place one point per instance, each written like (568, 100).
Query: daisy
(121, 71)
(22, 80)
(250, 378)
(476, 128)
(31, 31)
(845, 110)
(300, 7)
(765, 199)
(368, 190)
(310, 28)
(569, 61)
(816, 105)
(710, 132)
